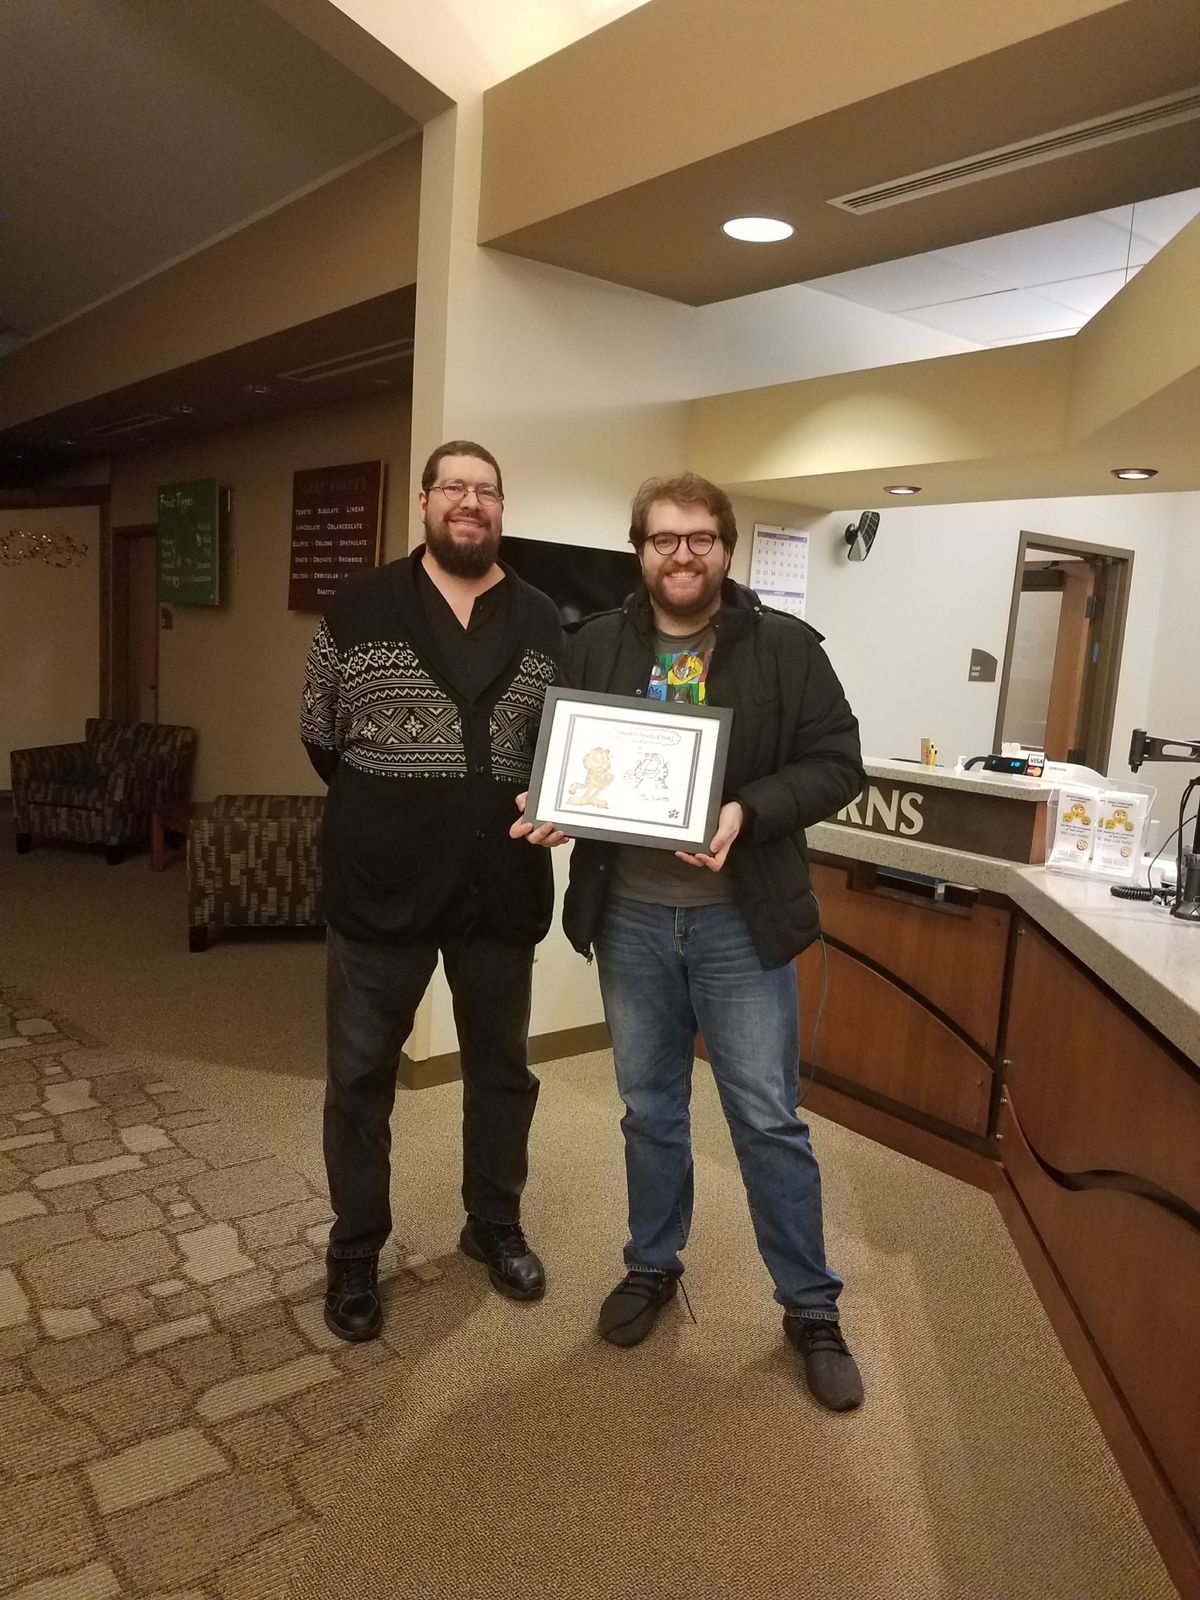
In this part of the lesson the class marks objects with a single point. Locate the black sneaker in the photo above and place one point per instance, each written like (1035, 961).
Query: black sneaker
(830, 1371)
(512, 1266)
(352, 1308)
(631, 1310)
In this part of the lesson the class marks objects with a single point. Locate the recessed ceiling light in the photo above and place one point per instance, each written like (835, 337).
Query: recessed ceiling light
(902, 488)
(1134, 474)
(184, 411)
(257, 388)
(757, 230)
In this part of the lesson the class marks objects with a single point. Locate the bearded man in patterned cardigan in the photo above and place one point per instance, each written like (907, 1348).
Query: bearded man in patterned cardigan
(422, 700)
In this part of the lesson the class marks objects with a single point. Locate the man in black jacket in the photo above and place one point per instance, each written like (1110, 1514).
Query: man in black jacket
(422, 700)
(688, 943)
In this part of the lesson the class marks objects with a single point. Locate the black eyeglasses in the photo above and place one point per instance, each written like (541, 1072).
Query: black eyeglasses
(457, 491)
(667, 543)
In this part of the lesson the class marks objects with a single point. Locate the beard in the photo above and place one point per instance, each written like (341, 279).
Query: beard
(697, 601)
(462, 557)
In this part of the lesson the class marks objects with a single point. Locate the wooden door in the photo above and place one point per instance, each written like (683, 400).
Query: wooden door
(135, 624)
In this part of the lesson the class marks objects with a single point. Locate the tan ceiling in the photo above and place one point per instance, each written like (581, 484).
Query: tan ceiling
(135, 131)
(621, 156)
(368, 347)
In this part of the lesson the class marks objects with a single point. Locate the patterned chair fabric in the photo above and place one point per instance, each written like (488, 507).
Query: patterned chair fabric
(103, 789)
(255, 861)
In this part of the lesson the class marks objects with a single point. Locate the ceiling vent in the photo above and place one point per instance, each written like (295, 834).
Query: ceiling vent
(113, 430)
(1146, 118)
(374, 355)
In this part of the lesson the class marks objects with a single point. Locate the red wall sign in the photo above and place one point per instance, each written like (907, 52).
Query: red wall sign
(337, 528)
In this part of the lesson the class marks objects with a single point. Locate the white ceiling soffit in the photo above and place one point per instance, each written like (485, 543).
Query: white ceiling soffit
(1165, 112)
(137, 131)
(1037, 283)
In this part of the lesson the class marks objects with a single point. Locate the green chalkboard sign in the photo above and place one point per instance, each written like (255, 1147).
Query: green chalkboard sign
(189, 543)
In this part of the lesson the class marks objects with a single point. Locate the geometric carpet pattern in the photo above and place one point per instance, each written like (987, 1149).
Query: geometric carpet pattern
(174, 1415)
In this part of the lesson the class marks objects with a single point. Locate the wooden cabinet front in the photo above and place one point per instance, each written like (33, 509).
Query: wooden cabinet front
(1094, 1091)
(1100, 1135)
(912, 996)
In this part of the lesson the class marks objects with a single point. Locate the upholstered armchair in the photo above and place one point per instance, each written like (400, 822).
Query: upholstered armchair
(103, 789)
(254, 860)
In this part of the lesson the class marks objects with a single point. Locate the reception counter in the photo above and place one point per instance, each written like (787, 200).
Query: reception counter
(1029, 1033)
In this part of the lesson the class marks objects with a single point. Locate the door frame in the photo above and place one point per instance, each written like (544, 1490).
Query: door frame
(1112, 631)
(113, 602)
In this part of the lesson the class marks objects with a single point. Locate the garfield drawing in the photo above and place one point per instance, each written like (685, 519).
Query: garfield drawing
(597, 764)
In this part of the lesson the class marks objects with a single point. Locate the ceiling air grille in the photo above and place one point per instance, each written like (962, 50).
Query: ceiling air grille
(1146, 118)
(373, 356)
(113, 430)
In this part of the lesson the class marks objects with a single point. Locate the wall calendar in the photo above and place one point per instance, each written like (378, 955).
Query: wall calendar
(779, 567)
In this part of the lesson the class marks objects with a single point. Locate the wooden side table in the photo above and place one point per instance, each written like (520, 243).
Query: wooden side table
(171, 816)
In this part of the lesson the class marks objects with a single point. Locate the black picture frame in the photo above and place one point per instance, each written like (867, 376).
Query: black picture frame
(669, 799)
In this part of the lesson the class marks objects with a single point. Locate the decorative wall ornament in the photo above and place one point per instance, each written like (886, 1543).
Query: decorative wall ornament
(54, 548)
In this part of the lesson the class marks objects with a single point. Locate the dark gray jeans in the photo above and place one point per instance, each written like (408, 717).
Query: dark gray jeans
(372, 993)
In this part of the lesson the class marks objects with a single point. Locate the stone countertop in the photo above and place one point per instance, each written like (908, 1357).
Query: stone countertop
(974, 782)
(1143, 954)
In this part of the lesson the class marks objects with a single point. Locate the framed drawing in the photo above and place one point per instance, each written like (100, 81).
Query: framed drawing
(632, 771)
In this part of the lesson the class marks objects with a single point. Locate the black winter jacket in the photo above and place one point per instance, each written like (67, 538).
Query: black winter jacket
(794, 756)
(422, 784)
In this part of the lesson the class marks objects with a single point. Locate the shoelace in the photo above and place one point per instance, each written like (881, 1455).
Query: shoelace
(359, 1277)
(820, 1334)
(506, 1238)
(647, 1284)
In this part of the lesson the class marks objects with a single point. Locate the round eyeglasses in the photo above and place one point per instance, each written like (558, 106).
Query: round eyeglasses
(698, 543)
(456, 491)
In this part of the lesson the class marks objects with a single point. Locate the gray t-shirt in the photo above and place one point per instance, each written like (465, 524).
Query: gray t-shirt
(644, 872)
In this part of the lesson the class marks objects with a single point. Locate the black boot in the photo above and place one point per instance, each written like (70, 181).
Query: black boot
(352, 1308)
(631, 1310)
(512, 1266)
(830, 1371)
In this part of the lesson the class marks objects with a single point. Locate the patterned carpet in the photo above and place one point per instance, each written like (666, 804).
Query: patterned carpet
(175, 1415)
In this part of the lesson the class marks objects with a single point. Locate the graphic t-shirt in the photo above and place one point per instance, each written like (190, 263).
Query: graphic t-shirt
(680, 670)
(644, 872)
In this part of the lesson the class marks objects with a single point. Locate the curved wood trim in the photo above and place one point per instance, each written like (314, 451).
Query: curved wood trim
(874, 1033)
(949, 957)
(1132, 1269)
(1117, 1182)
(1096, 1093)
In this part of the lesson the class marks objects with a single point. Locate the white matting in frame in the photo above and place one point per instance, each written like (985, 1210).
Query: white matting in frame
(628, 770)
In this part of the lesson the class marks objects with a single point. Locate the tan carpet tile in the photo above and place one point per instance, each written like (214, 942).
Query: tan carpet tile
(517, 1455)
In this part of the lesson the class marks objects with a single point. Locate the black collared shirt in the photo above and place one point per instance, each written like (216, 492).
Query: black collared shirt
(469, 658)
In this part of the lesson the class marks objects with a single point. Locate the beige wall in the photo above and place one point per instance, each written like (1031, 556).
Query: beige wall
(1174, 709)
(49, 637)
(233, 672)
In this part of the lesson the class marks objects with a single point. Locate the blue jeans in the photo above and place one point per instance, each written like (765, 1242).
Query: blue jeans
(666, 971)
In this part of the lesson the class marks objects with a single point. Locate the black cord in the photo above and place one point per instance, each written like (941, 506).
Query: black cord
(1189, 788)
(1133, 891)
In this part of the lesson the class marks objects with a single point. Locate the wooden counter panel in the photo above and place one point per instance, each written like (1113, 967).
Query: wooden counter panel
(877, 1036)
(1132, 1269)
(1097, 1093)
(954, 958)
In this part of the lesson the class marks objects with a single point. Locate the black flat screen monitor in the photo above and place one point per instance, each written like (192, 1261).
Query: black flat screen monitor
(579, 579)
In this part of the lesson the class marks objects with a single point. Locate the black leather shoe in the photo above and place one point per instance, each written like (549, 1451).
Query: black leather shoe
(512, 1265)
(352, 1308)
(830, 1371)
(631, 1310)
